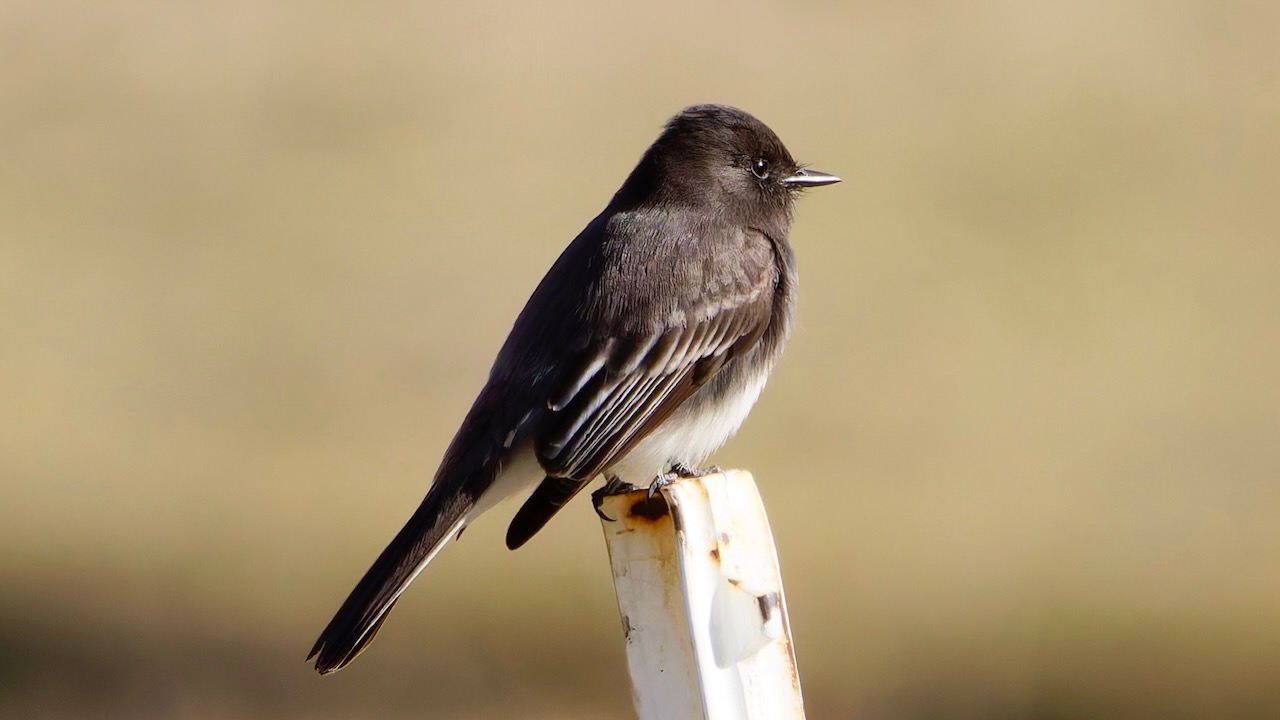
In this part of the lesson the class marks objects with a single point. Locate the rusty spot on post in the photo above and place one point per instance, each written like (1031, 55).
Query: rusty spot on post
(651, 508)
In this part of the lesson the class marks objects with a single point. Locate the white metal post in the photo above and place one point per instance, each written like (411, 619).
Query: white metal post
(700, 596)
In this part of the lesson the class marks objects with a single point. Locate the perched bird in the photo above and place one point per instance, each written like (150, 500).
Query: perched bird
(640, 352)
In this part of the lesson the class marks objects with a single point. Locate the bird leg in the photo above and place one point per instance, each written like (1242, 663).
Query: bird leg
(613, 485)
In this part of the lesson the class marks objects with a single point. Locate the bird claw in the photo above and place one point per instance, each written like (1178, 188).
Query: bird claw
(596, 500)
(680, 471)
(660, 482)
(612, 486)
(684, 470)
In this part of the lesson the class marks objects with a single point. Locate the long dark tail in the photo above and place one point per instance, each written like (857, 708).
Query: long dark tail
(436, 521)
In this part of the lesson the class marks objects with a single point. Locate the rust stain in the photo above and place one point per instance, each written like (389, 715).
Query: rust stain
(715, 554)
(652, 509)
(792, 669)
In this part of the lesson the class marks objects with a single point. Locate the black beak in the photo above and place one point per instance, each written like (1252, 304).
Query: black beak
(809, 178)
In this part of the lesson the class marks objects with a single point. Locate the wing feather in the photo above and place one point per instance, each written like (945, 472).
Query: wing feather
(609, 410)
(629, 379)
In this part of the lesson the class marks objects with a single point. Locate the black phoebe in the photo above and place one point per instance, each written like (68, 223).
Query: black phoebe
(640, 352)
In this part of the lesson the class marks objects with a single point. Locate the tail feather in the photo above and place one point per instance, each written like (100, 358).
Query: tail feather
(437, 520)
(551, 495)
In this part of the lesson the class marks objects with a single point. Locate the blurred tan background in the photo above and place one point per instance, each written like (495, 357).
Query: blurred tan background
(1022, 458)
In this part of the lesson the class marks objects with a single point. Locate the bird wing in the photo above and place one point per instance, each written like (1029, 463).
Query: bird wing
(621, 390)
(614, 392)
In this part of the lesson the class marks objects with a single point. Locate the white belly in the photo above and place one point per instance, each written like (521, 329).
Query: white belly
(690, 435)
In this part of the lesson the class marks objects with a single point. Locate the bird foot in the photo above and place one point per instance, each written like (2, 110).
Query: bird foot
(684, 470)
(679, 471)
(613, 485)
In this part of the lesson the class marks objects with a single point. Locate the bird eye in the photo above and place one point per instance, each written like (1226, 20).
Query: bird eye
(760, 169)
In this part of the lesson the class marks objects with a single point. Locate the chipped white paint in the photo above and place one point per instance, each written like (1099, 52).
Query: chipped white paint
(702, 607)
